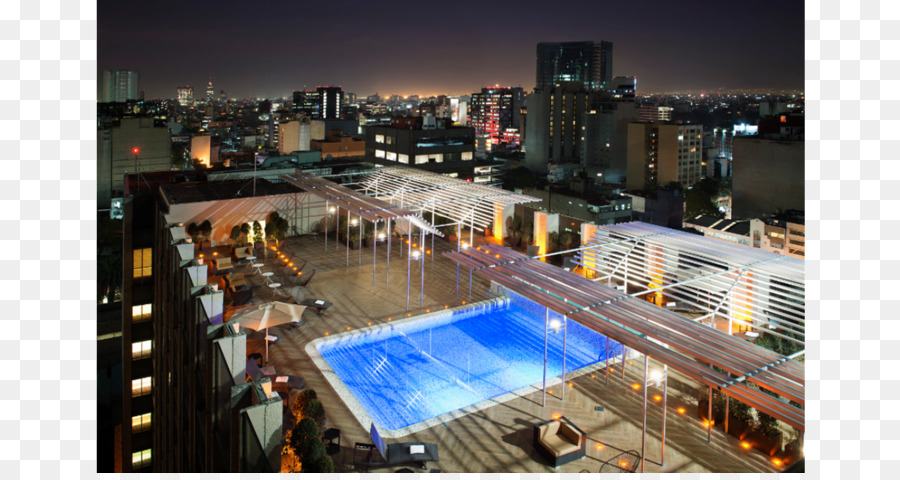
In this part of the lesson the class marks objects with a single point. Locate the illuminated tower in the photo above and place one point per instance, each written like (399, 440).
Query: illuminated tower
(210, 91)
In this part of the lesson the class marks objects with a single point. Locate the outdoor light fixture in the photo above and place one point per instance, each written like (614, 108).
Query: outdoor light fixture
(353, 222)
(415, 255)
(464, 245)
(331, 209)
(555, 325)
(381, 236)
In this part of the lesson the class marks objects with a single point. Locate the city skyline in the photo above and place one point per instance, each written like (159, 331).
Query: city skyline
(667, 47)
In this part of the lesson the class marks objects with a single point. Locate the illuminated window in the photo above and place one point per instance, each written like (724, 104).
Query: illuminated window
(141, 350)
(140, 313)
(140, 459)
(389, 140)
(140, 423)
(379, 138)
(467, 155)
(142, 261)
(391, 156)
(141, 386)
(421, 159)
(403, 158)
(379, 153)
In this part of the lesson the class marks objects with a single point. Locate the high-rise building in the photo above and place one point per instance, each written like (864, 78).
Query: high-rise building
(622, 88)
(210, 91)
(308, 103)
(119, 86)
(330, 101)
(655, 113)
(664, 153)
(495, 112)
(589, 63)
(556, 125)
(185, 95)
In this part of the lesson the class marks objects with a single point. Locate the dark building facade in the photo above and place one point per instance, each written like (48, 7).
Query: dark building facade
(497, 112)
(410, 141)
(330, 102)
(589, 63)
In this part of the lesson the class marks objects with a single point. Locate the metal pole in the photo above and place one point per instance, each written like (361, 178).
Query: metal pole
(662, 452)
(458, 237)
(470, 284)
(422, 270)
(644, 421)
(408, 263)
(374, 250)
(387, 265)
(359, 262)
(565, 334)
(432, 240)
(326, 225)
(337, 228)
(709, 418)
(546, 327)
(348, 238)
(727, 405)
(624, 349)
(607, 360)
(472, 232)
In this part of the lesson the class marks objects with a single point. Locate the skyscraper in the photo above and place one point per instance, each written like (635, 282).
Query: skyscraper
(663, 153)
(210, 91)
(330, 100)
(589, 63)
(185, 95)
(119, 86)
(495, 111)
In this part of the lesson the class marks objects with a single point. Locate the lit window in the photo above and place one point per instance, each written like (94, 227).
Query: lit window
(467, 155)
(140, 313)
(140, 459)
(141, 350)
(379, 153)
(391, 156)
(403, 158)
(140, 423)
(379, 138)
(142, 262)
(141, 386)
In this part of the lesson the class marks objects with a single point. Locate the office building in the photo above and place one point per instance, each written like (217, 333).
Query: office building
(131, 144)
(664, 152)
(185, 95)
(588, 63)
(294, 135)
(119, 86)
(622, 88)
(495, 112)
(307, 102)
(203, 150)
(655, 113)
(330, 102)
(337, 144)
(210, 91)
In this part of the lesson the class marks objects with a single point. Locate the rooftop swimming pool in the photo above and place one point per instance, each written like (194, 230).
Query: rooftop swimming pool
(405, 374)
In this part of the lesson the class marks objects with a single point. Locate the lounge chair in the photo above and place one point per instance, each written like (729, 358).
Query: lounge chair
(319, 305)
(241, 253)
(240, 292)
(560, 441)
(222, 265)
(395, 454)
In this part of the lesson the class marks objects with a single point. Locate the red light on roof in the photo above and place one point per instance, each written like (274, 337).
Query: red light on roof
(135, 150)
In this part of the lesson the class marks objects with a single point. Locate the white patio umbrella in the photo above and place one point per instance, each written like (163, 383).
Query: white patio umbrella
(268, 315)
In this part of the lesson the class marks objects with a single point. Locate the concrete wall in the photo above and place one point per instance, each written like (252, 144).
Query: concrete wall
(115, 154)
(768, 175)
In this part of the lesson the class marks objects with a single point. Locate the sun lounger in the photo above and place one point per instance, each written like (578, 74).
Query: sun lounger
(319, 305)
(411, 454)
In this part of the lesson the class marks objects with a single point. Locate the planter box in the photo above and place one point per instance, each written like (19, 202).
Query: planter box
(767, 445)
(737, 427)
(703, 411)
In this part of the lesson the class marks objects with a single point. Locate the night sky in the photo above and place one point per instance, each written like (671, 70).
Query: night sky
(269, 48)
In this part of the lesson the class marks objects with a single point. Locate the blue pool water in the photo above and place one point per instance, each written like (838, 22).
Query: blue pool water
(405, 374)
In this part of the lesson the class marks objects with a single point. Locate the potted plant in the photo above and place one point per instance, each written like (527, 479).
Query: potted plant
(205, 232)
(565, 240)
(766, 436)
(740, 419)
(527, 233)
(235, 234)
(194, 231)
(369, 234)
(354, 239)
(515, 233)
(245, 231)
(449, 232)
(258, 236)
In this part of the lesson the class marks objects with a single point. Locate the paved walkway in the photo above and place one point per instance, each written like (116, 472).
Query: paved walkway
(499, 438)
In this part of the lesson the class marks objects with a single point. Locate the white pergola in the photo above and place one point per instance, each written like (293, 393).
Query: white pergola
(402, 194)
(707, 277)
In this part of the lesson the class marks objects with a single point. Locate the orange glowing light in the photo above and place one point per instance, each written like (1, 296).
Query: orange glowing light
(408, 314)
(370, 323)
(428, 310)
(215, 253)
(681, 410)
(464, 302)
(599, 447)
(428, 252)
(746, 445)
(636, 386)
(631, 363)
(201, 255)
(776, 461)
(291, 264)
(549, 391)
(623, 463)
(497, 255)
(389, 319)
(657, 398)
(299, 273)
(326, 334)
(348, 328)
(556, 417)
(570, 384)
(446, 306)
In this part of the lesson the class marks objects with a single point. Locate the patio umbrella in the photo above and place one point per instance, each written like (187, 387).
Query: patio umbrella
(268, 315)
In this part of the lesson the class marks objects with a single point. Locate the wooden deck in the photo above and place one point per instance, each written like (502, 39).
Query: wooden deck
(499, 438)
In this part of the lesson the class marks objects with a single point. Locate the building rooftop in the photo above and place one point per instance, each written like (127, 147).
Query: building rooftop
(228, 189)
